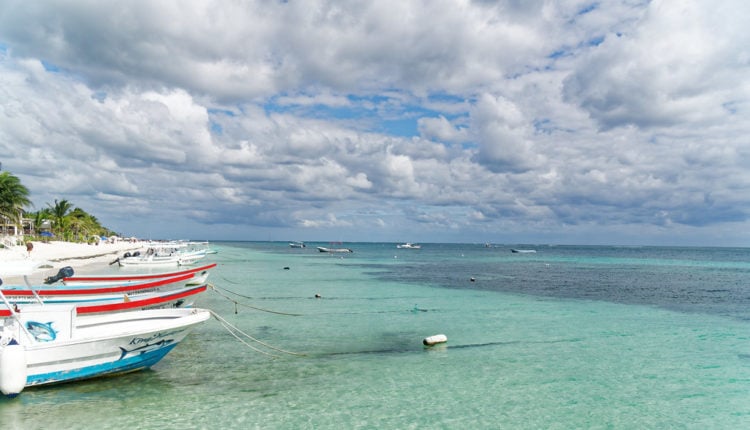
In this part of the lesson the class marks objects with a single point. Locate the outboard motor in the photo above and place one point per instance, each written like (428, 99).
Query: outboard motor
(65, 272)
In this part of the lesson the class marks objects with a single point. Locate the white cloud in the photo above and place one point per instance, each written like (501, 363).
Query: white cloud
(442, 130)
(502, 133)
(686, 61)
(561, 119)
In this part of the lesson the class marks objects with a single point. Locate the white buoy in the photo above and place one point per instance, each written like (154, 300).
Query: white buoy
(12, 369)
(434, 340)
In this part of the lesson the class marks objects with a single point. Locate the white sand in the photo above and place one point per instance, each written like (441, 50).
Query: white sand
(49, 257)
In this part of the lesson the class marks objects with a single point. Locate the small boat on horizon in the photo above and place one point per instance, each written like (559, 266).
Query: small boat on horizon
(408, 245)
(334, 250)
(522, 251)
(297, 244)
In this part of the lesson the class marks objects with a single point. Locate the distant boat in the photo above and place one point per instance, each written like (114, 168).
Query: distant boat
(297, 244)
(408, 245)
(334, 250)
(523, 251)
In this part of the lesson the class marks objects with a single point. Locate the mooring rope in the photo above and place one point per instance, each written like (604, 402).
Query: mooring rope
(231, 282)
(233, 330)
(236, 303)
(236, 293)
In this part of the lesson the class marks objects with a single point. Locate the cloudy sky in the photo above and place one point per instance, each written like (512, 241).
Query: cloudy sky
(579, 122)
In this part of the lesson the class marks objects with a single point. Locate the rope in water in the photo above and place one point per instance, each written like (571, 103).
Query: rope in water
(233, 330)
(236, 303)
(230, 281)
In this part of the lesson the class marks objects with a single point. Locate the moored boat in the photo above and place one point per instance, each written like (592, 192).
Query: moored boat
(408, 245)
(334, 250)
(114, 302)
(83, 294)
(200, 274)
(166, 254)
(53, 344)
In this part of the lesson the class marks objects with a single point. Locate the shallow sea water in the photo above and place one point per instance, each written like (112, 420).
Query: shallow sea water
(569, 337)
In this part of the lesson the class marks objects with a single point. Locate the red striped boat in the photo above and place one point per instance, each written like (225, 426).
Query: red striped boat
(200, 276)
(124, 302)
(84, 294)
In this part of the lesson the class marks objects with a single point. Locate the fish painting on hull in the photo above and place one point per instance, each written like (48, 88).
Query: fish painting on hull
(43, 332)
(146, 348)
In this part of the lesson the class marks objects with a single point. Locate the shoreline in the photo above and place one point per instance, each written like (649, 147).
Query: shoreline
(46, 258)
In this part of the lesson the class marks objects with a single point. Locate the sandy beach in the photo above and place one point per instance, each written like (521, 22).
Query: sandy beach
(46, 258)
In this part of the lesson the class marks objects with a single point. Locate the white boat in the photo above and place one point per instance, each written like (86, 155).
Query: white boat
(98, 302)
(202, 245)
(110, 293)
(297, 244)
(200, 275)
(408, 246)
(89, 293)
(165, 254)
(334, 250)
(53, 344)
(523, 251)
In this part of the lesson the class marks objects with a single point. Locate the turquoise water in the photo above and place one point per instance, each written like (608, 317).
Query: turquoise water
(569, 337)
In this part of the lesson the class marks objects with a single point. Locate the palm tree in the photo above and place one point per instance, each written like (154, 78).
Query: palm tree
(39, 217)
(13, 198)
(59, 212)
(82, 225)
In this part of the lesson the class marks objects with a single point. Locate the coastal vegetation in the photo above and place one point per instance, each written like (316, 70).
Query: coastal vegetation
(60, 220)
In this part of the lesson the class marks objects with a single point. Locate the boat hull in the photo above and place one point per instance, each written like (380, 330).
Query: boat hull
(334, 250)
(161, 261)
(200, 274)
(100, 345)
(83, 293)
(182, 297)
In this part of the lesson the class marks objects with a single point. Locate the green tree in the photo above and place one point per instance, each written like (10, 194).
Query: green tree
(82, 225)
(59, 212)
(14, 197)
(39, 217)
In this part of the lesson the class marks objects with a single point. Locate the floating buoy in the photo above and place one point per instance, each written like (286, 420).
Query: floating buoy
(12, 369)
(434, 340)
(317, 296)
(472, 279)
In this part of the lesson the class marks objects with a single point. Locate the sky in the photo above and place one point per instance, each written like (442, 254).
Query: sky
(562, 122)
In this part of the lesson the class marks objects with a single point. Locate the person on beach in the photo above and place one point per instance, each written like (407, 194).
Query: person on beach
(29, 247)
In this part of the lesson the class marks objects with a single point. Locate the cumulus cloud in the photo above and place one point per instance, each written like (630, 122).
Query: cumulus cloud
(684, 62)
(502, 135)
(376, 119)
(442, 130)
